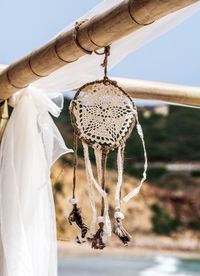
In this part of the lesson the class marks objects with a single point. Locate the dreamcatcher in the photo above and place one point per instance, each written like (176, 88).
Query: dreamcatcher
(103, 117)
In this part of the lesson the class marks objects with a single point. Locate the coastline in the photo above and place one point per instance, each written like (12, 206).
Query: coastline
(71, 248)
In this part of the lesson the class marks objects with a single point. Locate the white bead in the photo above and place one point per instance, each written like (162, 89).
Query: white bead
(100, 219)
(73, 201)
(119, 215)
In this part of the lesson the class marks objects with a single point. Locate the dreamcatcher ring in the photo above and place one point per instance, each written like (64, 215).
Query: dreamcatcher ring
(103, 116)
(105, 112)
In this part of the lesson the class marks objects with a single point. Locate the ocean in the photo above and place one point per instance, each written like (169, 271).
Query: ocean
(128, 266)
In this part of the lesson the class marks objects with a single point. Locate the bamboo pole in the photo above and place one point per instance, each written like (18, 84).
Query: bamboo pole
(151, 90)
(101, 30)
(171, 93)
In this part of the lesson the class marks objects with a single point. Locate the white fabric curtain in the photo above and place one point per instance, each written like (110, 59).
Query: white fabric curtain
(31, 144)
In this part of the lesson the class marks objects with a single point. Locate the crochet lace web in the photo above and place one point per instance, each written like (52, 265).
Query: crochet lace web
(103, 115)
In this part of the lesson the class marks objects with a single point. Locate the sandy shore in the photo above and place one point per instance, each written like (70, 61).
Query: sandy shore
(181, 248)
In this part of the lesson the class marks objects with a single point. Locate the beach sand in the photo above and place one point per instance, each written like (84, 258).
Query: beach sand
(187, 249)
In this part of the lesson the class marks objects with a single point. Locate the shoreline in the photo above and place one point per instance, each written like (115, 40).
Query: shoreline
(72, 249)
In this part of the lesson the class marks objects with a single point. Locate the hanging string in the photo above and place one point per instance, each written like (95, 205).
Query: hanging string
(103, 220)
(75, 215)
(101, 159)
(92, 183)
(103, 165)
(135, 191)
(90, 190)
(98, 158)
(120, 165)
(118, 228)
(106, 54)
(100, 172)
(105, 62)
(75, 146)
(89, 167)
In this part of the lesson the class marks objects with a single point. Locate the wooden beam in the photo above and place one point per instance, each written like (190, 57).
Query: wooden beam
(172, 93)
(101, 30)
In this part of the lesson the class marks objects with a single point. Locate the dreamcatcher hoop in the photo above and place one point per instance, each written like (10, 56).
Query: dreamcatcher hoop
(103, 116)
(102, 109)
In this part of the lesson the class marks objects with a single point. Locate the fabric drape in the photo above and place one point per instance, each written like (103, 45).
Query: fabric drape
(30, 145)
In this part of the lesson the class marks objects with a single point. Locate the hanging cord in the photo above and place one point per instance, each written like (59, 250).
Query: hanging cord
(106, 52)
(100, 173)
(105, 205)
(104, 159)
(92, 179)
(99, 240)
(75, 146)
(135, 191)
(105, 62)
(120, 166)
(90, 190)
(89, 168)
(101, 168)
(75, 215)
(118, 228)
(92, 183)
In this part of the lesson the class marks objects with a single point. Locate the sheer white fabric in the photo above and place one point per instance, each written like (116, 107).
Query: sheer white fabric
(30, 145)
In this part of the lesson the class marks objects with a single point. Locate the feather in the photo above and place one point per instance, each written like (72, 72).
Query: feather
(75, 216)
(98, 239)
(121, 232)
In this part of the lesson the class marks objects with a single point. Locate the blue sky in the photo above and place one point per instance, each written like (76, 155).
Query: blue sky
(28, 24)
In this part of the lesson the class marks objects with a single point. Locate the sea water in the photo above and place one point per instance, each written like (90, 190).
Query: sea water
(127, 266)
